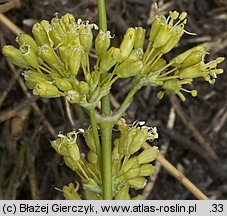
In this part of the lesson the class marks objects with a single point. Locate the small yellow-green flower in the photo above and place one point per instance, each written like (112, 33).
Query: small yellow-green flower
(127, 44)
(15, 56)
(166, 32)
(46, 90)
(102, 43)
(70, 192)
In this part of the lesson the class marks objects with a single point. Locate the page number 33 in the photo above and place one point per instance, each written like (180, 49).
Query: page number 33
(217, 208)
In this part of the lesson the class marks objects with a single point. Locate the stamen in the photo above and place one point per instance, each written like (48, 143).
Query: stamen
(181, 96)
(183, 16)
(174, 15)
(189, 33)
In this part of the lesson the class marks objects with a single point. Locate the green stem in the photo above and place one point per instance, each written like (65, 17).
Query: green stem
(106, 137)
(128, 100)
(113, 119)
(102, 15)
(95, 133)
(106, 129)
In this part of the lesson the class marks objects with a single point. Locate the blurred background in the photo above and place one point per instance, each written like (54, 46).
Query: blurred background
(193, 134)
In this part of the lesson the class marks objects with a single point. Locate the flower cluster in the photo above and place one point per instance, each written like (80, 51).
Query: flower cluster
(66, 146)
(129, 169)
(185, 68)
(152, 69)
(61, 47)
(52, 59)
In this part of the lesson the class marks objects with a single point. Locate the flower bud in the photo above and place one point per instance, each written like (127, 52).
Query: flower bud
(59, 147)
(148, 155)
(89, 139)
(66, 145)
(40, 34)
(56, 33)
(70, 192)
(29, 55)
(138, 140)
(86, 38)
(102, 43)
(129, 164)
(136, 54)
(74, 61)
(25, 39)
(138, 183)
(34, 77)
(63, 84)
(146, 170)
(140, 37)
(172, 86)
(125, 141)
(46, 90)
(73, 151)
(127, 44)
(208, 71)
(72, 97)
(123, 194)
(67, 22)
(191, 72)
(132, 173)
(65, 54)
(129, 68)
(70, 163)
(173, 40)
(156, 26)
(110, 59)
(47, 26)
(193, 58)
(15, 56)
(92, 157)
(176, 62)
(48, 54)
(163, 36)
(83, 88)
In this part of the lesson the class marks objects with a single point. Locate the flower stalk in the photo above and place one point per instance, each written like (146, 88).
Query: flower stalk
(106, 130)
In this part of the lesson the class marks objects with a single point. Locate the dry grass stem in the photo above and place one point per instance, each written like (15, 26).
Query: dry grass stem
(10, 25)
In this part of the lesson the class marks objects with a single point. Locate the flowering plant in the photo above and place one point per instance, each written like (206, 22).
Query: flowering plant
(53, 61)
